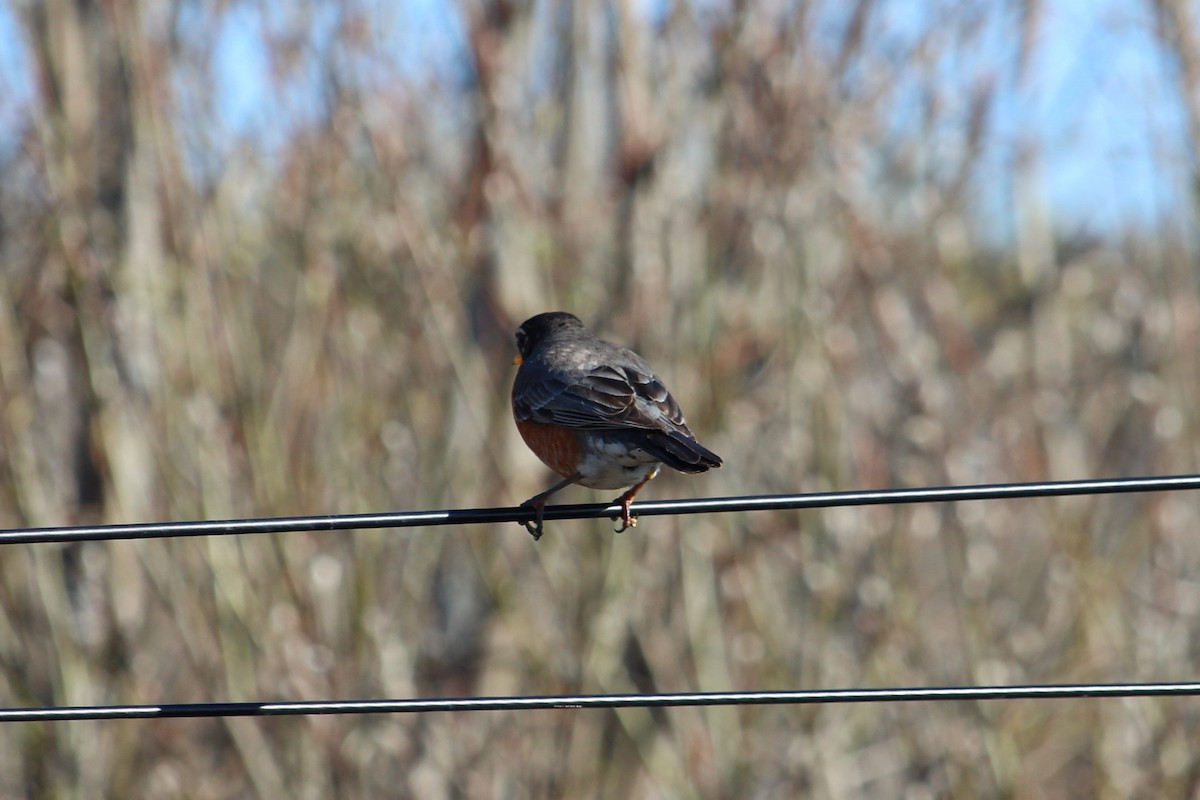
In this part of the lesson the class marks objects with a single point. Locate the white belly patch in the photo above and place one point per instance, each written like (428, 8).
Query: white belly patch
(614, 466)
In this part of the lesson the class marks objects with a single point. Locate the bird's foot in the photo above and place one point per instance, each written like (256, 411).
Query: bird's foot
(627, 520)
(534, 526)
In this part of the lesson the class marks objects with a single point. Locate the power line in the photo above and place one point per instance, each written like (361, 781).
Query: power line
(715, 505)
(653, 508)
(578, 702)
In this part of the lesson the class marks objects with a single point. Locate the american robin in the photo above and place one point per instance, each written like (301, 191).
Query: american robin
(596, 413)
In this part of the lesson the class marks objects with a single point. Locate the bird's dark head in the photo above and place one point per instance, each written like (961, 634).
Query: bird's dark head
(536, 330)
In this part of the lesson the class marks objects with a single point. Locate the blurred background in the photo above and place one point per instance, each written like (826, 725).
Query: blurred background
(266, 259)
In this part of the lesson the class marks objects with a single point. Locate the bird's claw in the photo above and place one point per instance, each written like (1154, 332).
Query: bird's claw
(627, 520)
(534, 526)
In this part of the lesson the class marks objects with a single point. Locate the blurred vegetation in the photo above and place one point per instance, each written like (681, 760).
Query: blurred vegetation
(816, 221)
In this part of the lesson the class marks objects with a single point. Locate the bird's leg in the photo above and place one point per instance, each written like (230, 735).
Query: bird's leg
(538, 502)
(628, 520)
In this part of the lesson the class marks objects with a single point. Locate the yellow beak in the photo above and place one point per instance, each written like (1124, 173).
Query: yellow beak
(517, 360)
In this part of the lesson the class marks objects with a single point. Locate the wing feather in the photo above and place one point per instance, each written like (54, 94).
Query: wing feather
(602, 398)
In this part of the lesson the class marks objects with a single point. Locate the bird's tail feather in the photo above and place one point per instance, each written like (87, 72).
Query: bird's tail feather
(681, 452)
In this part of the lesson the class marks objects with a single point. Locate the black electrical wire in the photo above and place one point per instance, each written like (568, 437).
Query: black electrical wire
(575, 702)
(715, 505)
(495, 515)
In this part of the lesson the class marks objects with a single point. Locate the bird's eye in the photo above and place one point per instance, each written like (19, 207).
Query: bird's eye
(520, 336)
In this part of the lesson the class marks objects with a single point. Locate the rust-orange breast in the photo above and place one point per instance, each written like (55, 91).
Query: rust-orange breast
(558, 447)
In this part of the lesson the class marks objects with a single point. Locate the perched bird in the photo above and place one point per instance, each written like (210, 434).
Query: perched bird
(596, 413)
